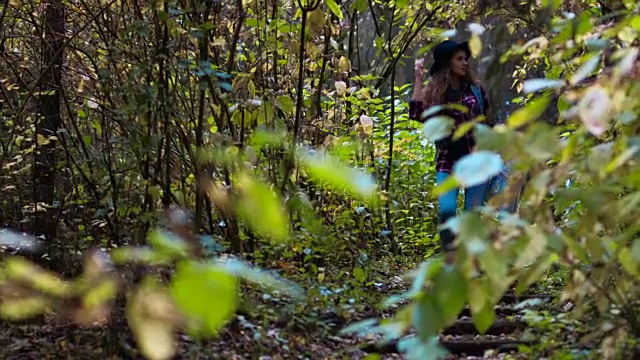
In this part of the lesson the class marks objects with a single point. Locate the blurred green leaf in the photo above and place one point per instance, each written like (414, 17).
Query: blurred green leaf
(206, 294)
(534, 85)
(150, 316)
(285, 103)
(360, 328)
(328, 171)
(145, 255)
(536, 245)
(475, 45)
(586, 69)
(492, 139)
(481, 306)
(335, 8)
(168, 244)
(24, 307)
(477, 167)
(22, 270)
(541, 141)
(427, 317)
(531, 111)
(415, 349)
(262, 208)
(437, 128)
(100, 293)
(450, 292)
(426, 271)
(533, 272)
(359, 274)
(260, 277)
(448, 185)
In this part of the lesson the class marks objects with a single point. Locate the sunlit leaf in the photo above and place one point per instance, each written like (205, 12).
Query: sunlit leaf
(475, 45)
(533, 110)
(261, 207)
(262, 138)
(359, 274)
(205, 294)
(553, 4)
(341, 87)
(146, 255)
(23, 307)
(344, 64)
(285, 103)
(335, 8)
(448, 185)
(330, 172)
(21, 269)
(167, 243)
(477, 167)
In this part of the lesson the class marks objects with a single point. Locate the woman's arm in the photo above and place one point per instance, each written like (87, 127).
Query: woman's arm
(417, 103)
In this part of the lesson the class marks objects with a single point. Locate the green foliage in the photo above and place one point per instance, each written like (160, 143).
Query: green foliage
(173, 103)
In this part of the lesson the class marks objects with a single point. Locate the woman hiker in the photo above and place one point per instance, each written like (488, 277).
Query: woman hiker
(452, 82)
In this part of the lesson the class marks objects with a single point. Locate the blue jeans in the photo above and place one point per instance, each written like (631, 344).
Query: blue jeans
(499, 183)
(474, 196)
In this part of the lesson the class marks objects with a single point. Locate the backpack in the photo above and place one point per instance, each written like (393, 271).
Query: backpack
(477, 92)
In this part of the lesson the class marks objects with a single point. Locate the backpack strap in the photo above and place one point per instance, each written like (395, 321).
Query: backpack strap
(477, 92)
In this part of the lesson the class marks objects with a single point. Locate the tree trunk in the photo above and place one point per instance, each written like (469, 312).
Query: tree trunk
(48, 123)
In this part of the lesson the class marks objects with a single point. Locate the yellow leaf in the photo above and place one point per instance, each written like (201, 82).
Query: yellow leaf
(151, 316)
(41, 139)
(344, 64)
(475, 45)
(219, 41)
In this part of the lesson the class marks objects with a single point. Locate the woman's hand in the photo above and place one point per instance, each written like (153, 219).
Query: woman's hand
(419, 68)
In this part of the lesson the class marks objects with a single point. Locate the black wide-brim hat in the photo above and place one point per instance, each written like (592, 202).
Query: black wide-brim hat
(443, 53)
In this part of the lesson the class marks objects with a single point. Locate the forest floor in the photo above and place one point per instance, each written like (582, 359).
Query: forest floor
(265, 328)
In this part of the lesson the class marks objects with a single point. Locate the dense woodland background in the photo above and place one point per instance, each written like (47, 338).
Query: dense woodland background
(156, 155)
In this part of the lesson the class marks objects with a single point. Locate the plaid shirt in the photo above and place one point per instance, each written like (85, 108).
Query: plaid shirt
(448, 150)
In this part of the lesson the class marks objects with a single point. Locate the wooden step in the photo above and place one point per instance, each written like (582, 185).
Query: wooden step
(513, 299)
(462, 346)
(480, 346)
(500, 312)
(466, 327)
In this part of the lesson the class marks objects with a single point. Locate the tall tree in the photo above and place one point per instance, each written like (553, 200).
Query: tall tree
(44, 170)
